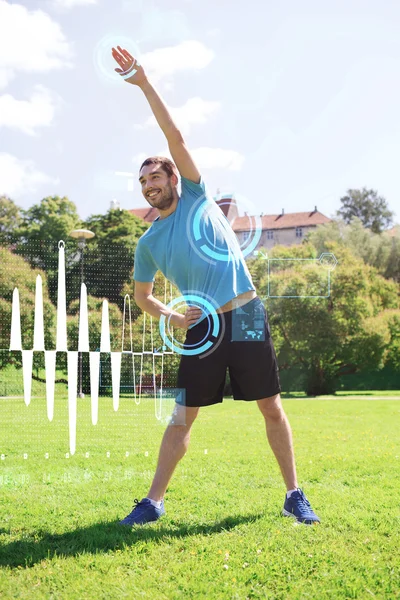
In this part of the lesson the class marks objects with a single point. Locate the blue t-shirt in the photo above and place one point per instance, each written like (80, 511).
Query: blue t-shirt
(196, 249)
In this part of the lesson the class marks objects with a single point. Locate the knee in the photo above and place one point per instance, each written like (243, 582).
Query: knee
(180, 433)
(271, 408)
(183, 417)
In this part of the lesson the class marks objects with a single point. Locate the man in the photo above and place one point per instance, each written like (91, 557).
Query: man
(192, 244)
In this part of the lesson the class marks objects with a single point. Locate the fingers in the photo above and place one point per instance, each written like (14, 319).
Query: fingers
(123, 55)
(121, 60)
(193, 314)
(125, 61)
(126, 53)
(193, 310)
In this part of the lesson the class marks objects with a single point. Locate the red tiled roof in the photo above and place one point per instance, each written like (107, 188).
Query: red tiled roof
(227, 205)
(285, 221)
(148, 214)
(229, 208)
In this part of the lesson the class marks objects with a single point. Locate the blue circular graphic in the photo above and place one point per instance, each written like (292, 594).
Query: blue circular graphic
(105, 64)
(199, 238)
(206, 306)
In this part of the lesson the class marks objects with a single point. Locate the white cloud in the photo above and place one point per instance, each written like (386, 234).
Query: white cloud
(196, 110)
(20, 176)
(162, 24)
(6, 75)
(26, 115)
(72, 3)
(139, 158)
(134, 6)
(213, 158)
(217, 158)
(169, 85)
(164, 62)
(30, 41)
(213, 32)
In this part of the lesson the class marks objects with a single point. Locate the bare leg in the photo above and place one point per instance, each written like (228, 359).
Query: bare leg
(279, 435)
(174, 445)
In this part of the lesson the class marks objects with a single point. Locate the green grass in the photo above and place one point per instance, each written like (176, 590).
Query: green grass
(348, 395)
(58, 532)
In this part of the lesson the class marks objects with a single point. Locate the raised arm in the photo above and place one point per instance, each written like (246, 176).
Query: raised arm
(179, 152)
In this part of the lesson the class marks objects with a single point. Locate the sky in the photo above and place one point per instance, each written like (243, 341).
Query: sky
(285, 105)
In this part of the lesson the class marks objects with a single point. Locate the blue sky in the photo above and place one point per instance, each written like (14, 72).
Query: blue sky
(287, 105)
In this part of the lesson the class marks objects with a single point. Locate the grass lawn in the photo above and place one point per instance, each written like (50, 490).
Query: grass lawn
(222, 536)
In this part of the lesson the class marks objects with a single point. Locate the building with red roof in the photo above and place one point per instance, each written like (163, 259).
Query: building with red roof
(285, 229)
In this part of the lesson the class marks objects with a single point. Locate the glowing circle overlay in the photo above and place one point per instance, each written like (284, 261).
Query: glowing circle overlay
(201, 243)
(104, 62)
(213, 325)
(247, 247)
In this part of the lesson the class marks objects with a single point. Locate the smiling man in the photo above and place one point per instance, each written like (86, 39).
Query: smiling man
(192, 244)
(158, 191)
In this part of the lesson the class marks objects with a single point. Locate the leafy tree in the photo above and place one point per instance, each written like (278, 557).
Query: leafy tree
(393, 350)
(372, 209)
(43, 226)
(378, 250)
(10, 220)
(17, 273)
(393, 263)
(109, 257)
(327, 337)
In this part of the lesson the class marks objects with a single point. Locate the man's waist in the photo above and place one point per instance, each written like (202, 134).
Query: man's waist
(239, 300)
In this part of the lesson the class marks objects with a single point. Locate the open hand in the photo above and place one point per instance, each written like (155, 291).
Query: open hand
(129, 64)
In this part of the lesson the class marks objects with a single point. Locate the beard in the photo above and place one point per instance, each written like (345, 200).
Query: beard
(164, 200)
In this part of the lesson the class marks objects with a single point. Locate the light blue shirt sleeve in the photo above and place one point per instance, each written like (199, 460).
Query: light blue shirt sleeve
(145, 267)
(191, 190)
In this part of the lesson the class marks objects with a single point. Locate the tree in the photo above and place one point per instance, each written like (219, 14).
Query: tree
(10, 220)
(378, 250)
(327, 337)
(43, 226)
(372, 209)
(109, 257)
(393, 262)
(393, 354)
(17, 273)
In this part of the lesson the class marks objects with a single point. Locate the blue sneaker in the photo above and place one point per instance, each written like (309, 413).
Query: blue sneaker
(298, 507)
(143, 512)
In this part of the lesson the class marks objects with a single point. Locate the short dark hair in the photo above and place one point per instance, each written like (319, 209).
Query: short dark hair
(165, 164)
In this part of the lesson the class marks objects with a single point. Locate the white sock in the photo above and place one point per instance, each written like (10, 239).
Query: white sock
(154, 503)
(290, 492)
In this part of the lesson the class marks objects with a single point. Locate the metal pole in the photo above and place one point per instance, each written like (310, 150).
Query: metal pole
(81, 395)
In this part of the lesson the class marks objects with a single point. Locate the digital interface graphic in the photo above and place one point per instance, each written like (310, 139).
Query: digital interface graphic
(213, 250)
(138, 367)
(318, 271)
(130, 366)
(208, 307)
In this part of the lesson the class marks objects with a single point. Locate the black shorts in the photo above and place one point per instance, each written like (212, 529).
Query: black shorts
(243, 345)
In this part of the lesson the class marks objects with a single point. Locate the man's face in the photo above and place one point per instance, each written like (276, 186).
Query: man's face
(156, 186)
